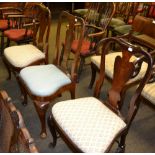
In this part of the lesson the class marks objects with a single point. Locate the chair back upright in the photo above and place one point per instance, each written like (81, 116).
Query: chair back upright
(73, 26)
(126, 67)
(42, 24)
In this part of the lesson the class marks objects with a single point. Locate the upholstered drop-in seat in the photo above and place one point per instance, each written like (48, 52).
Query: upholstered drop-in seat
(17, 34)
(80, 12)
(147, 39)
(85, 49)
(116, 22)
(44, 80)
(88, 123)
(109, 65)
(23, 55)
(123, 29)
(149, 92)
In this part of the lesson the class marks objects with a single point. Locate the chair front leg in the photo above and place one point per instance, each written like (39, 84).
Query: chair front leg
(41, 108)
(51, 126)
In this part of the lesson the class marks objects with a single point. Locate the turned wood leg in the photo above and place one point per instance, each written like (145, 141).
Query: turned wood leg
(50, 122)
(41, 109)
(93, 76)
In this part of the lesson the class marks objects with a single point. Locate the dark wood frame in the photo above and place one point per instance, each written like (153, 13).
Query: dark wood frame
(126, 71)
(21, 133)
(38, 42)
(42, 103)
(99, 30)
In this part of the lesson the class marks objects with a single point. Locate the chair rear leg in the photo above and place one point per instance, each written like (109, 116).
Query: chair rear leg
(82, 62)
(72, 92)
(8, 69)
(121, 145)
(8, 42)
(23, 91)
(41, 108)
(52, 129)
(93, 76)
(2, 43)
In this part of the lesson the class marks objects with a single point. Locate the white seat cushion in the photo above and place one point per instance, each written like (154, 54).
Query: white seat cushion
(109, 65)
(23, 55)
(44, 80)
(88, 123)
(149, 92)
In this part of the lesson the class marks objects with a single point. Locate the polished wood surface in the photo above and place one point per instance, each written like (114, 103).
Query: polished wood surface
(14, 135)
(61, 61)
(123, 71)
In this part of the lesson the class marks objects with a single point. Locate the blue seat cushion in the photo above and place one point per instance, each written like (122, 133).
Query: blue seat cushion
(44, 80)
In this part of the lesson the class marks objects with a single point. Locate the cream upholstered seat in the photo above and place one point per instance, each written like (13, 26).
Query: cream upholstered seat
(90, 125)
(44, 80)
(23, 55)
(109, 65)
(149, 92)
(88, 122)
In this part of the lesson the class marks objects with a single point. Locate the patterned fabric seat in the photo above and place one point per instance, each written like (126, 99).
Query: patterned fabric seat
(88, 123)
(23, 55)
(146, 39)
(44, 80)
(149, 92)
(109, 65)
(85, 49)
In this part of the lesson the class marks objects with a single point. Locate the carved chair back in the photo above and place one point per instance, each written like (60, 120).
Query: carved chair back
(13, 134)
(42, 26)
(36, 19)
(126, 67)
(74, 26)
(126, 10)
(99, 15)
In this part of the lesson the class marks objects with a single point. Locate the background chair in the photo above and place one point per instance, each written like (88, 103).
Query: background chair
(89, 125)
(148, 96)
(6, 9)
(20, 56)
(109, 67)
(124, 16)
(22, 27)
(96, 19)
(44, 83)
(13, 134)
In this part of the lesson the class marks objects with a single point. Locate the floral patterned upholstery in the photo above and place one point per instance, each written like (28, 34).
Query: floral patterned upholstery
(88, 123)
